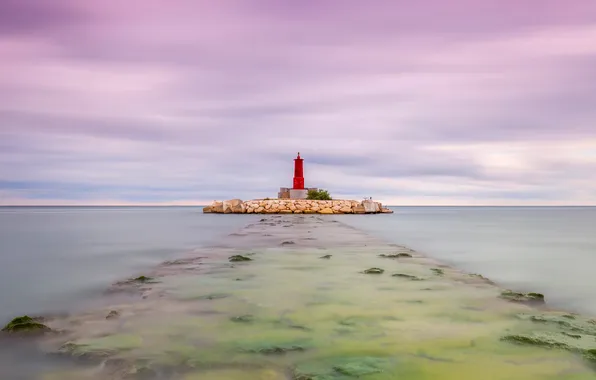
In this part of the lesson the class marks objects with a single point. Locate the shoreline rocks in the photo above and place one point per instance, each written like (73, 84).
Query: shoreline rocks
(296, 206)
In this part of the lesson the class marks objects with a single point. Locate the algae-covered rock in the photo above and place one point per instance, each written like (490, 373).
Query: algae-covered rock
(325, 257)
(104, 346)
(407, 276)
(438, 271)
(239, 258)
(527, 298)
(247, 318)
(374, 271)
(340, 368)
(25, 324)
(276, 348)
(112, 314)
(395, 255)
(577, 343)
(569, 323)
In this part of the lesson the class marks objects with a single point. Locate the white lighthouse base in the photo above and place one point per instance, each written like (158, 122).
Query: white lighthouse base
(298, 193)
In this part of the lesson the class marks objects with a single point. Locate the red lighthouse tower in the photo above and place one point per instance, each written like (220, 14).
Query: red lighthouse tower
(298, 173)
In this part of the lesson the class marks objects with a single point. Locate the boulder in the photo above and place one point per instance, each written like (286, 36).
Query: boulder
(285, 211)
(207, 210)
(326, 210)
(346, 210)
(359, 209)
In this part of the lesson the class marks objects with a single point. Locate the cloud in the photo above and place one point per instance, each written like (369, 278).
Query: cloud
(409, 103)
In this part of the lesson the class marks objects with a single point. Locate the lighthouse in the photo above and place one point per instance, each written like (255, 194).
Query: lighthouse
(298, 191)
(298, 173)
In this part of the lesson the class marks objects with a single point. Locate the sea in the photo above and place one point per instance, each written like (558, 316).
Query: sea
(55, 259)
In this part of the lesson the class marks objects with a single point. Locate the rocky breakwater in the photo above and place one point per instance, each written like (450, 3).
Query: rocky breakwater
(296, 206)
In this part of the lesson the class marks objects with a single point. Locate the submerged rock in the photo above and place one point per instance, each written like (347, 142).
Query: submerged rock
(577, 343)
(276, 348)
(527, 298)
(566, 322)
(239, 258)
(113, 314)
(395, 255)
(325, 257)
(25, 324)
(243, 318)
(438, 271)
(289, 242)
(374, 271)
(408, 276)
(339, 368)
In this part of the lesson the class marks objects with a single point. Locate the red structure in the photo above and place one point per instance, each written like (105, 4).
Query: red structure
(298, 173)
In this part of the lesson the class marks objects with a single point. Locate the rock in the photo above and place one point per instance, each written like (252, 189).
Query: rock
(437, 271)
(259, 210)
(112, 314)
(207, 210)
(325, 257)
(374, 271)
(298, 211)
(385, 210)
(25, 324)
(359, 209)
(309, 212)
(238, 258)
(217, 207)
(326, 211)
(407, 276)
(350, 367)
(243, 318)
(288, 242)
(346, 210)
(585, 345)
(526, 298)
(395, 255)
(285, 212)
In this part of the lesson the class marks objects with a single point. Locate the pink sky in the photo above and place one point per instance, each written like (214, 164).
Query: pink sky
(184, 102)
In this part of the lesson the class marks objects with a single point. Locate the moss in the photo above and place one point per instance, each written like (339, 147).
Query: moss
(374, 271)
(325, 257)
(238, 258)
(395, 255)
(407, 276)
(25, 324)
(438, 271)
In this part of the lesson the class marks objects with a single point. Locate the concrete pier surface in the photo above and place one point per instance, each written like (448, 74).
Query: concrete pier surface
(307, 297)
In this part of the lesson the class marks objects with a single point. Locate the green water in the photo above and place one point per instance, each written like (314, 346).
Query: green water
(291, 314)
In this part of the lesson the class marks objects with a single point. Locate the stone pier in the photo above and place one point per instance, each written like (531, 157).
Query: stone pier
(296, 206)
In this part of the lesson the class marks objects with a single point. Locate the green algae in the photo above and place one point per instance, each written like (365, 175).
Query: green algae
(238, 258)
(25, 324)
(374, 271)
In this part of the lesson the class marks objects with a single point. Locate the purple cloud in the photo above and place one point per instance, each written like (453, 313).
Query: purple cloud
(425, 102)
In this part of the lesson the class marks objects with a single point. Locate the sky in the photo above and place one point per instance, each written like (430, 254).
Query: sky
(429, 102)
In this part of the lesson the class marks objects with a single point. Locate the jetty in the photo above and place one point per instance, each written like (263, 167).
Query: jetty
(297, 297)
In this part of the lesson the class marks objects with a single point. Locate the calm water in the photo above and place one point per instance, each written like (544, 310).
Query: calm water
(551, 250)
(54, 258)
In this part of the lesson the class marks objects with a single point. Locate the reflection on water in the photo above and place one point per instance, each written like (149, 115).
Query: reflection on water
(288, 313)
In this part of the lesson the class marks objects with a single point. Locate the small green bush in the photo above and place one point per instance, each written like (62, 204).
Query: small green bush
(319, 195)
